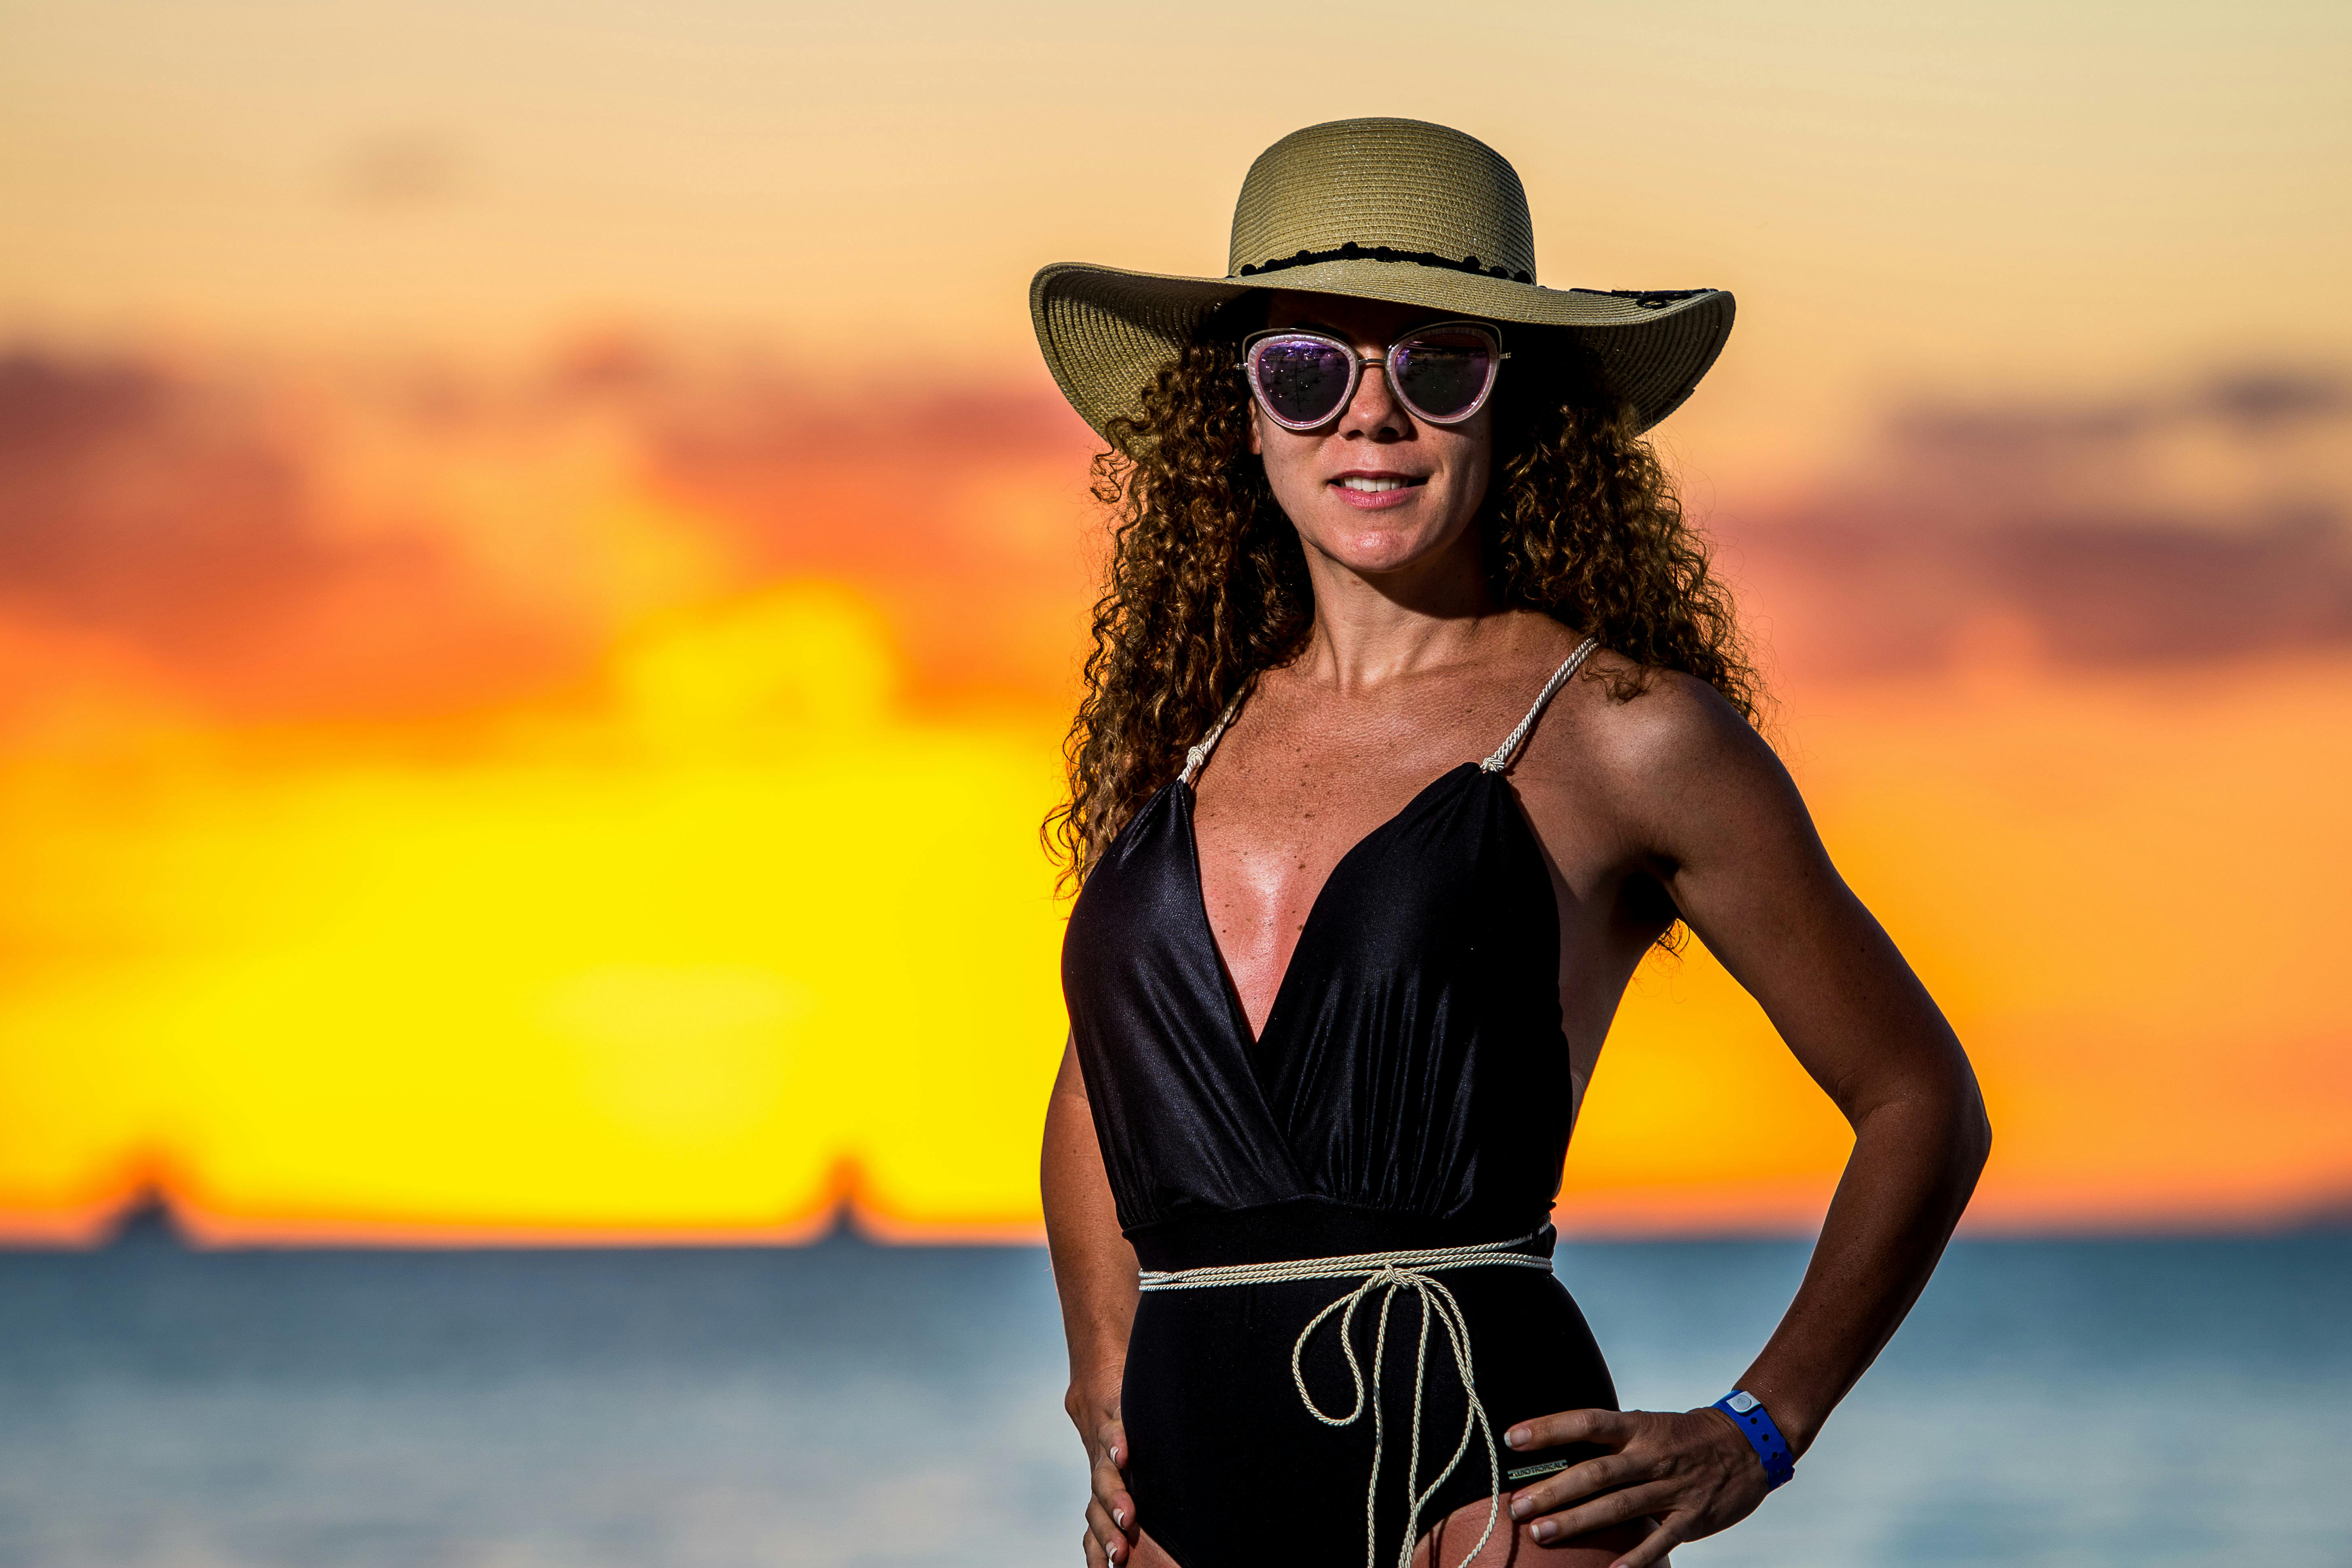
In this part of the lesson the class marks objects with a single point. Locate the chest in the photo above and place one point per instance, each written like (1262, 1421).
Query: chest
(1277, 816)
(1271, 823)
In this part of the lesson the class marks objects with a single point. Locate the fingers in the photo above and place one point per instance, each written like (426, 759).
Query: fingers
(1601, 1475)
(1608, 1427)
(1110, 1490)
(1110, 1437)
(1095, 1558)
(1112, 1499)
(1617, 1508)
(1652, 1550)
(1110, 1513)
(1683, 1470)
(1109, 1540)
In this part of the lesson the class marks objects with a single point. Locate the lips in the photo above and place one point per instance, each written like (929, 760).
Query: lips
(1371, 490)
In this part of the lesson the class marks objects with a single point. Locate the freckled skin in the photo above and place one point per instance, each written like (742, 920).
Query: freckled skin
(1667, 802)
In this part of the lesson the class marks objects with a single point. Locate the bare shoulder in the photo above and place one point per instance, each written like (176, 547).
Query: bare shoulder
(1651, 748)
(1640, 723)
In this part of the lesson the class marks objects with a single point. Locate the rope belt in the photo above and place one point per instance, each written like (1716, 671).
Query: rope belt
(1386, 1273)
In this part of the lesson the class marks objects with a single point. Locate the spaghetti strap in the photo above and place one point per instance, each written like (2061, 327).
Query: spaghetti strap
(1504, 753)
(1198, 752)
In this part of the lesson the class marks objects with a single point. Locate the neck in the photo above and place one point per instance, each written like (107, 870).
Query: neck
(1372, 626)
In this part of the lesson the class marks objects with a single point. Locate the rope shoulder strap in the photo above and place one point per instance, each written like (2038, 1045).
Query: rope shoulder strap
(1198, 752)
(1510, 746)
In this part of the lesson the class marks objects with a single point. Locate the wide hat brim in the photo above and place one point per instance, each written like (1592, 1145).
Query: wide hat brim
(1105, 331)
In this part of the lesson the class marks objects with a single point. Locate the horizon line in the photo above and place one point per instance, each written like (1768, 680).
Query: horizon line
(158, 1216)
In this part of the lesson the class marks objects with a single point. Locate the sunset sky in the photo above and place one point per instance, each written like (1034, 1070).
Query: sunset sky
(541, 579)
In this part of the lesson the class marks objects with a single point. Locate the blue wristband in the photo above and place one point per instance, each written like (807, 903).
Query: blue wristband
(1754, 1424)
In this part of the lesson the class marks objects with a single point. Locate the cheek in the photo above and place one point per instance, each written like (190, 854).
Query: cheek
(1290, 461)
(1471, 466)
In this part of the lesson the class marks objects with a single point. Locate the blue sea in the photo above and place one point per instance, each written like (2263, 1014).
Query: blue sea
(2105, 1402)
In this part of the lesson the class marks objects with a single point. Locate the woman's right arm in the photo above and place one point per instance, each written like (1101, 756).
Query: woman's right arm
(1094, 1271)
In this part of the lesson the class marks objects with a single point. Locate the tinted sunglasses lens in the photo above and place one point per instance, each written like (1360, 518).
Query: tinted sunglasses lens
(1302, 381)
(1442, 374)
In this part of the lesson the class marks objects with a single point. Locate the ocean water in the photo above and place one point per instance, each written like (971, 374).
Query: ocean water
(2140, 1401)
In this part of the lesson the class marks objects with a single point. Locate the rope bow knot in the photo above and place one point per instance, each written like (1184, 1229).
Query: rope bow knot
(1386, 1274)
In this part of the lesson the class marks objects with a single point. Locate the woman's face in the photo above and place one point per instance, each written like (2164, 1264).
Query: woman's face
(1375, 489)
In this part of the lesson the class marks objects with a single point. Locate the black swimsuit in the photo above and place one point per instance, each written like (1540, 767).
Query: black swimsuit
(1411, 1089)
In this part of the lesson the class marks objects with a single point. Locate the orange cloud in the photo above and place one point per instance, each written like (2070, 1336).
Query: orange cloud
(2208, 523)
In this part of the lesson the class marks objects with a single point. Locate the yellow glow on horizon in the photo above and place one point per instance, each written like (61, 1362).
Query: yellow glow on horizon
(668, 968)
(663, 972)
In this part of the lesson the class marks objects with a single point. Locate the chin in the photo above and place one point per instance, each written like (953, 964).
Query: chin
(1371, 550)
(1374, 557)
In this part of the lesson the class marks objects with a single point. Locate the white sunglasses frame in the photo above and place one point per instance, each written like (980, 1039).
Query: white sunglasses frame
(1385, 359)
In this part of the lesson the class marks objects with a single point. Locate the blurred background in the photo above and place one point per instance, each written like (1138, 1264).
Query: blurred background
(541, 579)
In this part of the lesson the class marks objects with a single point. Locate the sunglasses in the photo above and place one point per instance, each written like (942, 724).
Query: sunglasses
(1442, 373)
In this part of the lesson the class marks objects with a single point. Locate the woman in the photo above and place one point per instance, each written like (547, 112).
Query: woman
(1414, 719)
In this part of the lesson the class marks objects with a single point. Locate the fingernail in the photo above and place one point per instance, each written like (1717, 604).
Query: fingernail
(1516, 1437)
(1545, 1530)
(1119, 1514)
(1117, 1455)
(1521, 1507)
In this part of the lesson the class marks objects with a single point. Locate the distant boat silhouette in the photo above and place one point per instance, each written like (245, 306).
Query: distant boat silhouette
(148, 1223)
(842, 1227)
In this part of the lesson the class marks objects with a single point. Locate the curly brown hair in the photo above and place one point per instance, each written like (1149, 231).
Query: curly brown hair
(1207, 583)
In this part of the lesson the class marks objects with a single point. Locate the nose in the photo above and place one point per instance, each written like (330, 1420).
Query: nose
(1375, 413)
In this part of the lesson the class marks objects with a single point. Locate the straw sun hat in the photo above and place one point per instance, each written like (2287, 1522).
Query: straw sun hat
(1398, 210)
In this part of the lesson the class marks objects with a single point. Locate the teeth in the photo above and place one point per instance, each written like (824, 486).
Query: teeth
(1372, 487)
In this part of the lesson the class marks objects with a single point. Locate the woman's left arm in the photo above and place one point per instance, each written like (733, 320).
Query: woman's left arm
(1708, 808)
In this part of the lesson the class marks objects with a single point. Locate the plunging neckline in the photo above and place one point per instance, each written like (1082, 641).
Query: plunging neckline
(1491, 767)
(1238, 1011)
